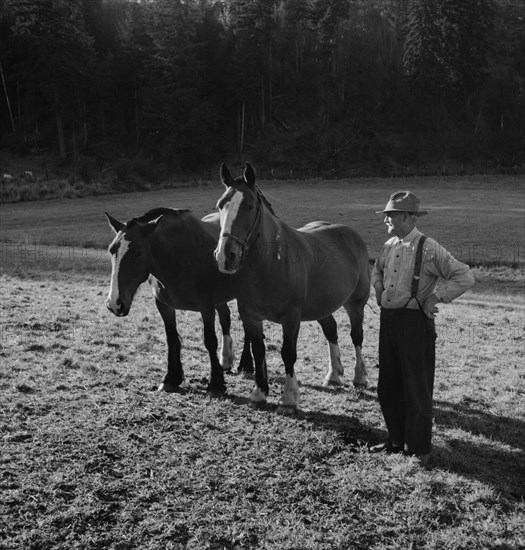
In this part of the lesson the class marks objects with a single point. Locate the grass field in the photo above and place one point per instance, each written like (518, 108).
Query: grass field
(93, 457)
(480, 220)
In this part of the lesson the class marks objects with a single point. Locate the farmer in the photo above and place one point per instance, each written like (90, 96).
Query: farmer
(408, 294)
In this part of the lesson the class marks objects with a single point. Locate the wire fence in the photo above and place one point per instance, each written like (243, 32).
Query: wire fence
(29, 170)
(430, 169)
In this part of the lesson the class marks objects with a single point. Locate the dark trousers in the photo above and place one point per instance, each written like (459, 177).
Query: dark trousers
(407, 359)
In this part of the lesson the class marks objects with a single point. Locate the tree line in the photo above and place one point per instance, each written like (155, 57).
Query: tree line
(326, 84)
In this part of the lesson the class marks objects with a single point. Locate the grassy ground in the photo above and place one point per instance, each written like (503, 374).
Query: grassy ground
(92, 457)
(479, 219)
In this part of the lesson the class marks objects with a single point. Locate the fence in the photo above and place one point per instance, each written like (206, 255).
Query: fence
(29, 170)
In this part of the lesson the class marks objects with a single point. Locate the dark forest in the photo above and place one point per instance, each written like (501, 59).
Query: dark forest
(325, 85)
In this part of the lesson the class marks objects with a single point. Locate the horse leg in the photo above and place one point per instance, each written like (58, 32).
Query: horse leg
(226, 352)
(216, 386)
(290, 396)
(254, 331)
(175, 375)
(335, 368)
(246, 364)
(356, 312)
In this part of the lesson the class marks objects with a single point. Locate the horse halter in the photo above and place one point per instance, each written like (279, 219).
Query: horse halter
(247, 241)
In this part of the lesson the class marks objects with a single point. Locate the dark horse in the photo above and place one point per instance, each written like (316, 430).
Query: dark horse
(288, 275)
(174, 250)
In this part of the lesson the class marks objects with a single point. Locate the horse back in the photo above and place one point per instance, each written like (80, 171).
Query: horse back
(344, 243)
(337, 263)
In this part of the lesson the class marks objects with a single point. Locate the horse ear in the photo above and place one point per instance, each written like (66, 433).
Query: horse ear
(152, 225)
(249, 175)
(114, 223)
(226, 177)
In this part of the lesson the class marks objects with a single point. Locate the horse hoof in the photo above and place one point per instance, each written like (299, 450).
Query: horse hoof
(246, 375)
(168, 388)
(332, 383)
(287, 410)
(215, 394)
(360, 385)
(227, 366)
(257, 405)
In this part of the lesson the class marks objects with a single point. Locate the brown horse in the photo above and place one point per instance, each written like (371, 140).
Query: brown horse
(288, 275)
(174, 250)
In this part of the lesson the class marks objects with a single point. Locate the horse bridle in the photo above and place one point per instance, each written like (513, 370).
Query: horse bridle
(247, 241)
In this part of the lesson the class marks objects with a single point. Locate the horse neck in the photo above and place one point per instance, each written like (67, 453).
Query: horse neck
(270, 232)
(270, 224)
(175, 244)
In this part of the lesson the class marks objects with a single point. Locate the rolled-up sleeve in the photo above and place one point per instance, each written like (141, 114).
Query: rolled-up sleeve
(455, 277)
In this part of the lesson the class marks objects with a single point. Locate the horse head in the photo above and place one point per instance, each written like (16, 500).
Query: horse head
(240, 210)
(130, 261)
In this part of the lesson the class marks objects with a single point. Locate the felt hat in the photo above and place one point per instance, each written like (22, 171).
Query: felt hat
(403, 201)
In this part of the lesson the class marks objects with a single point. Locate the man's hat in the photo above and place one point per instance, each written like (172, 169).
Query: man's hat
(403, 201)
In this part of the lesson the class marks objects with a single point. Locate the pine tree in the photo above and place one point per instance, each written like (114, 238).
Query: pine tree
(55, 54)
(422, 58)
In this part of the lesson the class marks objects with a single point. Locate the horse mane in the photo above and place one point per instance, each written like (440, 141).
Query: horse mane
(266, 202)
(155, 213)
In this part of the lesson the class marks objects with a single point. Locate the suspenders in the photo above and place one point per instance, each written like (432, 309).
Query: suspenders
(417, 271)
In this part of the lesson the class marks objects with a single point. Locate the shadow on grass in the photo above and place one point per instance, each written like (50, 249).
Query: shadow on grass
(492, 464)
(508, 431)
(498, 461)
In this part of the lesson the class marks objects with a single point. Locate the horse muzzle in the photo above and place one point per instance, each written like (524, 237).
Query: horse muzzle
(228, 256)
(117, 307)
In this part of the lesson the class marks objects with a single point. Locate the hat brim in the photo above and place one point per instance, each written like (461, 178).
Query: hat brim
(419, 213)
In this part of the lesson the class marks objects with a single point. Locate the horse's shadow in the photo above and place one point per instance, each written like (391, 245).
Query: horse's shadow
(465, 455)
(504, 470)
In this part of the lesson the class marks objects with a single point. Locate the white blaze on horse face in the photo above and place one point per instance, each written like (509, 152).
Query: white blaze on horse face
(115, 266)
(228, 214)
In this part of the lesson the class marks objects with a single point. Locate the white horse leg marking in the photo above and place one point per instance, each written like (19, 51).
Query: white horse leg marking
(360, 378)
(227, 356)
(115, 265)
(290, 397)
(335, 369)
(227, 216)
(257, 397)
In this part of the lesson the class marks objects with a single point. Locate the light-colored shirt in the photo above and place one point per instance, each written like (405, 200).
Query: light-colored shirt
(441, 273)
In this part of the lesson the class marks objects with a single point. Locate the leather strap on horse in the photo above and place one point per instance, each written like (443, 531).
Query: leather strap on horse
(247, 241)
(417, 270)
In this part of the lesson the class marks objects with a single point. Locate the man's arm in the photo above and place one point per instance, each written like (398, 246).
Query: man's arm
(377, 277)
(455, 278)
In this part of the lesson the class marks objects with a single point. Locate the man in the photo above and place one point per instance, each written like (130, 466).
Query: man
(408, 295)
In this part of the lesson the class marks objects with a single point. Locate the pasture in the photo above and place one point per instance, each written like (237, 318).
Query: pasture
(93, 457)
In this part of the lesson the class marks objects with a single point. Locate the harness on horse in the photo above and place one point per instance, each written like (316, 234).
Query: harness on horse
(248, 241)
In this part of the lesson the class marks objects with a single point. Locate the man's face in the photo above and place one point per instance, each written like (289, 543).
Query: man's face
(395, 223)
